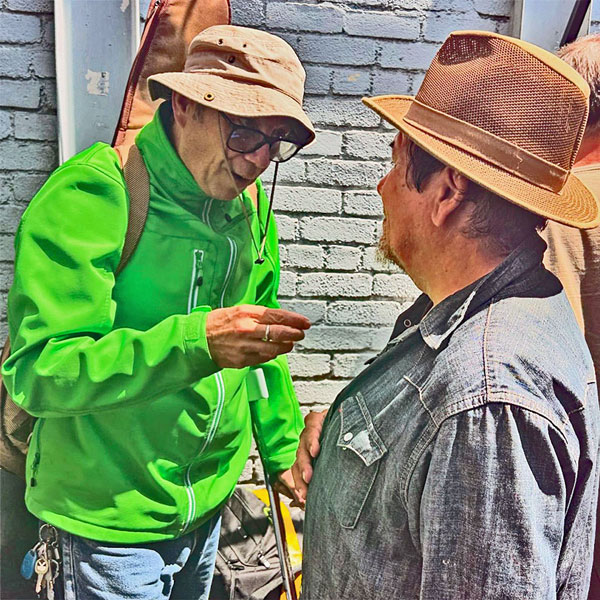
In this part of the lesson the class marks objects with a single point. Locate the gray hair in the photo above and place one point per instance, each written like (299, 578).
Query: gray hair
(584, 56)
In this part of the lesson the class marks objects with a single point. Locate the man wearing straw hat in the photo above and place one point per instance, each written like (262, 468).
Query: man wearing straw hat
(463, 461)
(140, 382)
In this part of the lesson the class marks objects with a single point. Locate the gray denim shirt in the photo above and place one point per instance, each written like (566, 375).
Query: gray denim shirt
(463, 462)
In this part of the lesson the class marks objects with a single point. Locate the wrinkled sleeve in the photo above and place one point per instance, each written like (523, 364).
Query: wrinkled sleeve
(66, 357)
(493, 505)
(276, 420)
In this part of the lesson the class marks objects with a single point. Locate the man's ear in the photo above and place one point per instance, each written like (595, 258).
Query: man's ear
(181, 108)
(449, 192)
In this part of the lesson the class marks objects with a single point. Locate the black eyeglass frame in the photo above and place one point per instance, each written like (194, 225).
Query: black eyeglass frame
(266, 139)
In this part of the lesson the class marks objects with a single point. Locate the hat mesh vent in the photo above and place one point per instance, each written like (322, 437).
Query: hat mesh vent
(509, 93)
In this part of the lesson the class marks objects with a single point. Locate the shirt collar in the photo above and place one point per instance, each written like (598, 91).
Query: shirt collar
(444, 318)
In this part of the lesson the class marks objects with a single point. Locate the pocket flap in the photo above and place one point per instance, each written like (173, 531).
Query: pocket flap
(357, 431)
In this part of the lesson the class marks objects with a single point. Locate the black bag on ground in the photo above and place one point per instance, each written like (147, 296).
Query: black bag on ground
(247, 566)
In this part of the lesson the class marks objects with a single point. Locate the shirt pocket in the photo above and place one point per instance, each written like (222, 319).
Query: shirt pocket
(359, 451)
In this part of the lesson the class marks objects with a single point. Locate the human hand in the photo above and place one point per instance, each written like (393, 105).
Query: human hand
(285, 485)
(308, 449)
(236, 334)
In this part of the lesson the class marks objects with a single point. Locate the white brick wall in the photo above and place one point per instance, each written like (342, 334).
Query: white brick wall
(328, 212)
(27, 118)
(350, 49)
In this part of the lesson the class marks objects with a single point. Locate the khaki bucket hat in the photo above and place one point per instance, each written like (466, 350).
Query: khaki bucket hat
(506, 114)
(240, 71)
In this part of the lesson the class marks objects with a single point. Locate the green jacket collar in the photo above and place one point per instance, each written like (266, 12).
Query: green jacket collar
(168, 175)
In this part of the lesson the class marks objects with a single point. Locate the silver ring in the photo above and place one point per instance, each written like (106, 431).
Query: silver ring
(266, 338)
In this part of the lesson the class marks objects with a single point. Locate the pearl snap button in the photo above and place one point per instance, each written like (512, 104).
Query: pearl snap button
(348, 436)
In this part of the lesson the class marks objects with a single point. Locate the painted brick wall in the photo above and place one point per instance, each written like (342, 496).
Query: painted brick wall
(328, 212)
(28, 150)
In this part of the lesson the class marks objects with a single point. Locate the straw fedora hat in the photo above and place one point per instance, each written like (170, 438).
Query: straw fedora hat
(506, 114)
(240, 71)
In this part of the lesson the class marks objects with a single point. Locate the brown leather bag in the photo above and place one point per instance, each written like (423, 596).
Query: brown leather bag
(170, 27)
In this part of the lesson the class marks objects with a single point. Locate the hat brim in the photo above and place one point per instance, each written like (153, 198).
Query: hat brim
(575, 205)
(235, 97)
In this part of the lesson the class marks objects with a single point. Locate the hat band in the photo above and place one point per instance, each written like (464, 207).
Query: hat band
(487, 146)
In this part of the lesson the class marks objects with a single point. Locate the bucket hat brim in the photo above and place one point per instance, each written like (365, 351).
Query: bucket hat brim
(232, 96)
(575, 205)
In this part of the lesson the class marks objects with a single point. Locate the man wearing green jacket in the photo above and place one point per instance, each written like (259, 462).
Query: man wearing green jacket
(142, 384)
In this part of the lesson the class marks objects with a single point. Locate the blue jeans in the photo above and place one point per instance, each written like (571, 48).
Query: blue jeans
(174, 569)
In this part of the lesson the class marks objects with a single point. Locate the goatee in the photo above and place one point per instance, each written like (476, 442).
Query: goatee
(385, 255)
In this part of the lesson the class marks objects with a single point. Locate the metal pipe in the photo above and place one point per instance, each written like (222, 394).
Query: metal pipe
(284, 558)
(575, 21)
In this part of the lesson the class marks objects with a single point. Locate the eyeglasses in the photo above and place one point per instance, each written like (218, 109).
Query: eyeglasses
(246, 140)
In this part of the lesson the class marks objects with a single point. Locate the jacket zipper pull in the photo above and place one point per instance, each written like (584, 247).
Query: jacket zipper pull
(263, 561)
(34, 467)
(36, 458)
(199, 269)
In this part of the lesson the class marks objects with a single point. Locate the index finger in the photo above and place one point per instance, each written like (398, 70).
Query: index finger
(278, 316)
(301, 470)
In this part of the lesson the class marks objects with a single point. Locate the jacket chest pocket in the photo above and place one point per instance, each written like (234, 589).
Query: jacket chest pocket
(357, 456)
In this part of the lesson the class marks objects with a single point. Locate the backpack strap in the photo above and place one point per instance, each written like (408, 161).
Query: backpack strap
(5, 351)
(138, 186)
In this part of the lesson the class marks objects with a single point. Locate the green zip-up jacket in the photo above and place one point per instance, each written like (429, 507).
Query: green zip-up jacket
(140, 436)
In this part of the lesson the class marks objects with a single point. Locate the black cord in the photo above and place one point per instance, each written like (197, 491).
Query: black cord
(260, 260)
